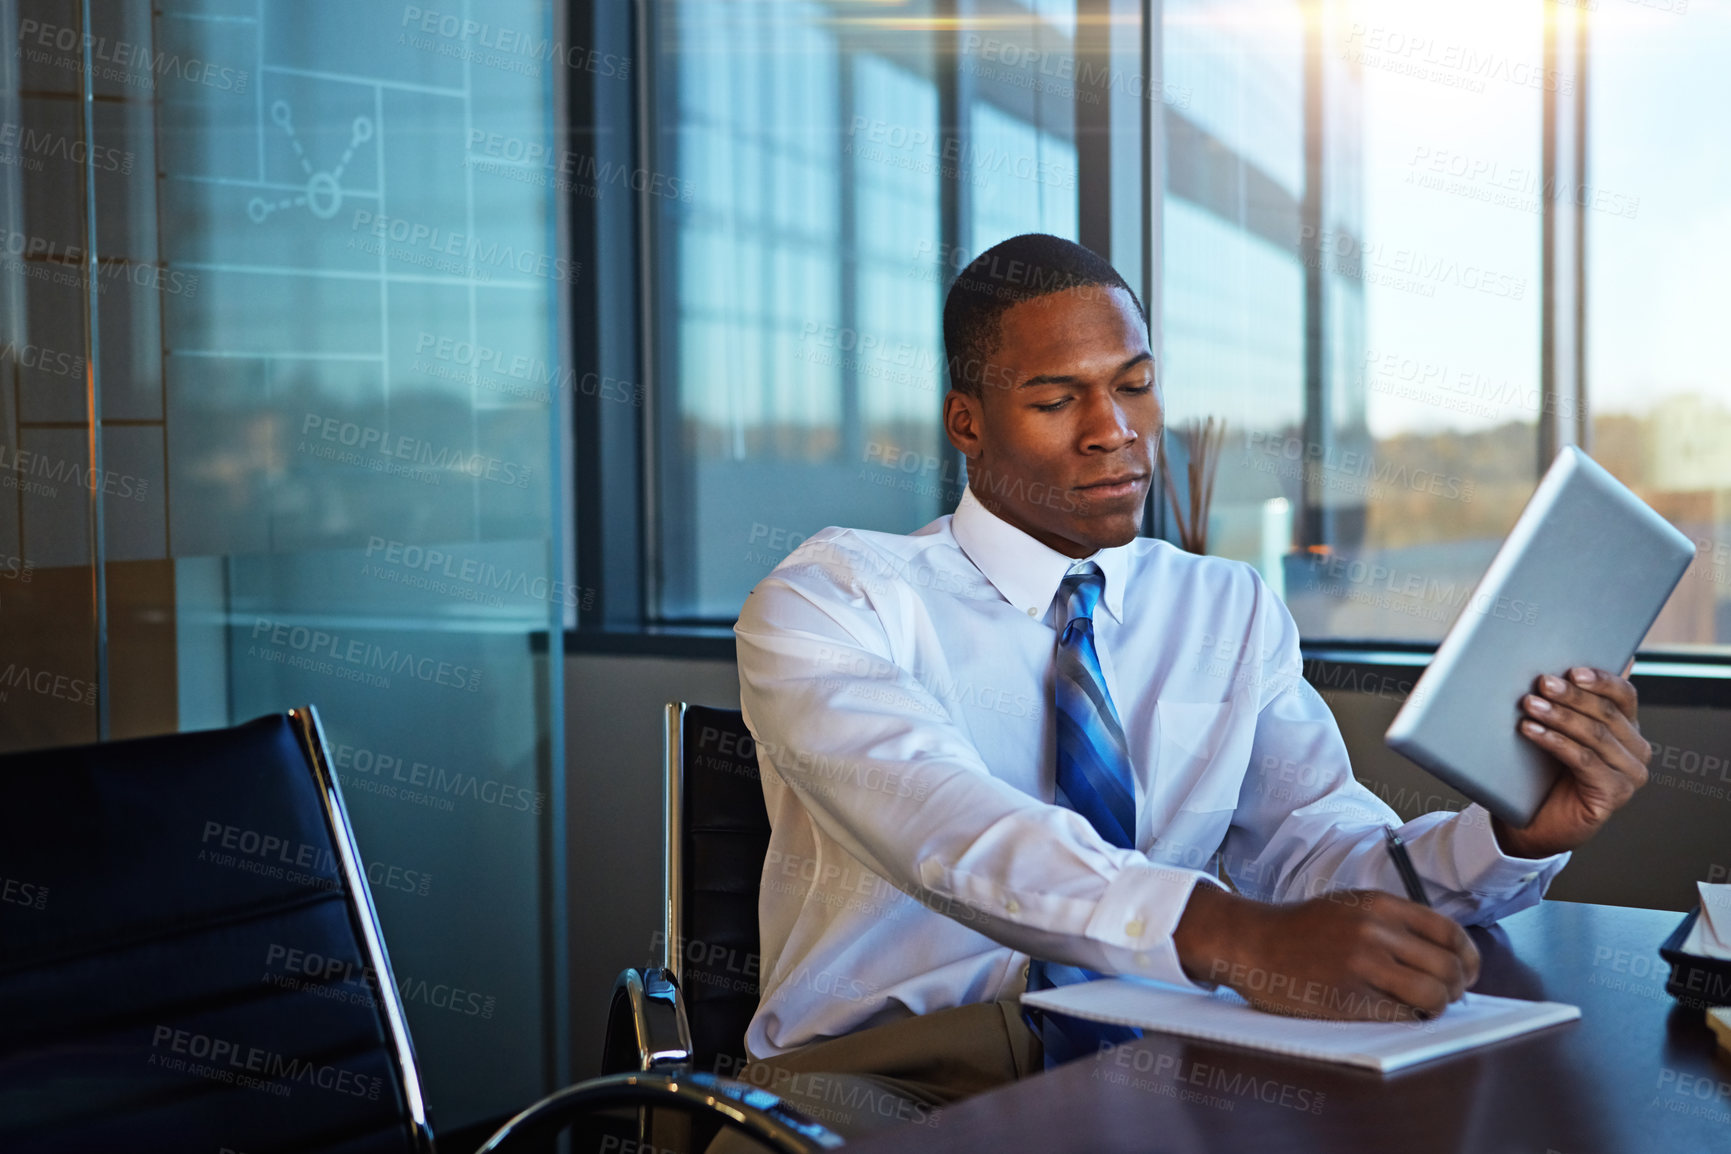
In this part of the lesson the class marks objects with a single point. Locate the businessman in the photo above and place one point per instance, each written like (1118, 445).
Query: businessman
(1024, 746)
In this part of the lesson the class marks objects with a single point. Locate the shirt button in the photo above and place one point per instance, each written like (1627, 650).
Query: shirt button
(1135, 928)
(1528, 877)
(1031, 613)
(1142, 960)
(1013, 906)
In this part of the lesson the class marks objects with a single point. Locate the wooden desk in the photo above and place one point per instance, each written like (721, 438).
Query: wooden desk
(1635, 1074)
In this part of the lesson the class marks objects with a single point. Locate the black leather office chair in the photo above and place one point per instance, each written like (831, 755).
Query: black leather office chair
(672, 1026)
(717, 836)
(190, 960)
(189, 956)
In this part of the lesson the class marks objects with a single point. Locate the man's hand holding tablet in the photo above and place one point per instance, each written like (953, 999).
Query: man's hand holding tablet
(1594, 565)
(1586, 721)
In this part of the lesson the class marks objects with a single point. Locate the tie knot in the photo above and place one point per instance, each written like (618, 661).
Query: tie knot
(1081, 592)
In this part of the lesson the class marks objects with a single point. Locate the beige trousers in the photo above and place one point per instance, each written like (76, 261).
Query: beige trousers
(901, 1073)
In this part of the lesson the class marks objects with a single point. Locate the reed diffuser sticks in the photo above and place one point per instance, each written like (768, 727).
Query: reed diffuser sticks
(1201, 441)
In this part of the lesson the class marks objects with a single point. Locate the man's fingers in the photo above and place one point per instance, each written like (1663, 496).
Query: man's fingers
(1607, 757)
(1615, 688)
(1580, 761)
(1367, 955)
(1410, 988)
(1447, 933)
(1438, 929)
(1610, 698)
(1592, 776)
(1430, 962)
(1612, 708)
(1417, 955)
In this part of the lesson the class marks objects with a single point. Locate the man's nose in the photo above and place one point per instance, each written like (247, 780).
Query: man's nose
(1107, 425)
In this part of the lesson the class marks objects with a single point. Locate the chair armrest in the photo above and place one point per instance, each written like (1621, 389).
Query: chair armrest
(646, 1026)
(760, 1114)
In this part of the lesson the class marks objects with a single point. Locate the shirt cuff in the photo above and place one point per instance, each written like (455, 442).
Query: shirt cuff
(1135, 920)
(1484, 868)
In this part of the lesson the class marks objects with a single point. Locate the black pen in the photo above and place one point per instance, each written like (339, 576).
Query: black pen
(1403, 866)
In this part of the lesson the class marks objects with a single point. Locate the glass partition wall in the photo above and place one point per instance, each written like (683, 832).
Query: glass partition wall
(280, 413)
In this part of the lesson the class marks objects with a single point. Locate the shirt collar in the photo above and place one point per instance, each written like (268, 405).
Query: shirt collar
(1025, 571)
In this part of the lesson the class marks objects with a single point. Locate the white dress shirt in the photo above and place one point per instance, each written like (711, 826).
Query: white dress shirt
(900, 689)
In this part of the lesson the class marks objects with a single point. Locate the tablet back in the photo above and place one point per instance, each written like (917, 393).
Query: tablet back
(1579, 581)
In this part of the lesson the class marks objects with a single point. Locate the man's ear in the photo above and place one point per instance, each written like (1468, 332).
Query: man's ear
(964, 423)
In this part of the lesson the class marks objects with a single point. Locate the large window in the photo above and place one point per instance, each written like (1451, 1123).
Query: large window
(1233, 275)
(826, 198)
(1403, 250)
(1330, 290)
(1657, 214)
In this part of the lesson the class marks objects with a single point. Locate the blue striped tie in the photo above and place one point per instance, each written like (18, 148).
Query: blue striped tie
(1094, 780)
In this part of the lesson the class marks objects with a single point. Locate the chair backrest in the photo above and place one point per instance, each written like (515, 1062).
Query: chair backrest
(717, 836)
(189, 955)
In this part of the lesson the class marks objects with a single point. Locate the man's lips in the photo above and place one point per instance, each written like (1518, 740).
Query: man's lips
(1118, 486)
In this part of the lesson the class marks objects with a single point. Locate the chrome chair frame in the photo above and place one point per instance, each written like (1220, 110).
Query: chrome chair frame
(366, 919)
(673, 825)
(760, 1114)
(647, 1052)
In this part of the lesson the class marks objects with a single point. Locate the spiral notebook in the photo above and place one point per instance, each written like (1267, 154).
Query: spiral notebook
(1222, 1016)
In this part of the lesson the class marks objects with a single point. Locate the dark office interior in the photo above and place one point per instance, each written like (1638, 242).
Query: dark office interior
(457, 369)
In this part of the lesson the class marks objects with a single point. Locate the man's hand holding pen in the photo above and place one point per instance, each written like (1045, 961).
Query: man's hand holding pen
(1359, 954)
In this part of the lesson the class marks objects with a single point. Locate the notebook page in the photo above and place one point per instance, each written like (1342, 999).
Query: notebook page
(1223, 1016)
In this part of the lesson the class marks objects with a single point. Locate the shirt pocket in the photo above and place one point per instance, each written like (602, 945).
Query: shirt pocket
(1200, 771)
(1203, 754)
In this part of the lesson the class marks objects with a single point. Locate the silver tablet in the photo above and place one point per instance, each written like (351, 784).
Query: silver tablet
(1579, 581)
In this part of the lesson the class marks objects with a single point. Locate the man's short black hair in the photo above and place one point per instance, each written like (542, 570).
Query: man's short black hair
(1022, 268)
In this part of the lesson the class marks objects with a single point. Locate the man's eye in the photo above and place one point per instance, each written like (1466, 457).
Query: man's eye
(1139, 389)
(1053, 406)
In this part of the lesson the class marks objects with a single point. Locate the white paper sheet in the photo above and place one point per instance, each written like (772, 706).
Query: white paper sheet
(1223, 1016)
(1710, 937)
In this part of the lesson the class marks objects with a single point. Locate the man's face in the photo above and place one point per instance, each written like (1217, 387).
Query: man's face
(1061, 440)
